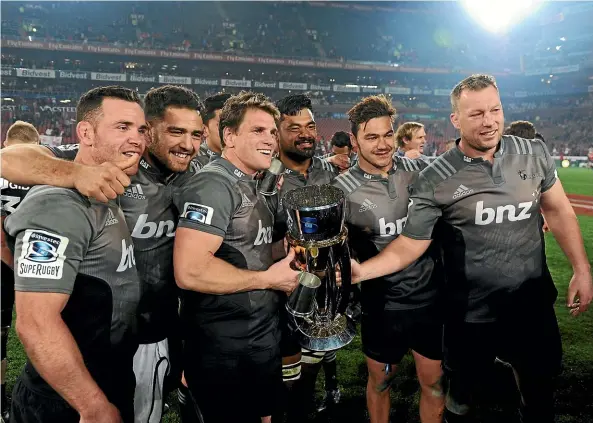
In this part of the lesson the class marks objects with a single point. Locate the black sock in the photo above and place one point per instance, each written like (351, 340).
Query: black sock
(331, 375)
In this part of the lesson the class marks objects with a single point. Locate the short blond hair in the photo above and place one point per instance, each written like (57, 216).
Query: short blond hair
(406, 131)
(477, 82)
(22, 132)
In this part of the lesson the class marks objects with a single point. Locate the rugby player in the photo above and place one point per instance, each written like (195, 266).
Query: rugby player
(223, 260)
(77, 287)
(400, 310)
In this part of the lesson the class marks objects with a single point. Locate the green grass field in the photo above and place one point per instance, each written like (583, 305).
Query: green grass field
(574, 398)
(577, 180)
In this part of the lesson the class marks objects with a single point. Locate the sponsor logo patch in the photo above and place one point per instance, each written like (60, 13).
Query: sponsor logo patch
(198, 212)
(42, 255)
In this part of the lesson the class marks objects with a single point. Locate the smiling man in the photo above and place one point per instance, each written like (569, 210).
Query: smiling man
(486, 193)
(399, 311)
(76, 283)
(176, 130)
(297, 137)
(224, 262)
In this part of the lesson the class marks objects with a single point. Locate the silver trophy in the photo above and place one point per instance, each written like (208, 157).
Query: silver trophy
(315, 220)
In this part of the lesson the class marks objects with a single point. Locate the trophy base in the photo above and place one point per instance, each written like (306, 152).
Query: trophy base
(325, 336)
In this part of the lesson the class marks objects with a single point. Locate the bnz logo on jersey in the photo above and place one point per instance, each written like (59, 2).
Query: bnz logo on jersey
(42, 255)
(198, 212)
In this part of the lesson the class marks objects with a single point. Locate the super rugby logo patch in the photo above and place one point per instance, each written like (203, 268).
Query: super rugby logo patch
(198, 212)
(42, 255)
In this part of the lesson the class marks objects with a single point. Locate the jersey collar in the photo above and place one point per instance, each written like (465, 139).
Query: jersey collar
(234, 170)
(459, 154)
(204, 150)
(363, 176)
(313, 165)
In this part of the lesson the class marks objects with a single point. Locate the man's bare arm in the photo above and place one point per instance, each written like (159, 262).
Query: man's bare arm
(29, 165)
(197, 269)
(36, 165)
(563, 223)
(398, 255)
(54, 352)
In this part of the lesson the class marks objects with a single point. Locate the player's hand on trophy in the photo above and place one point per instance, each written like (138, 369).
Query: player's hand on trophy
(281, 276)
(356, 271)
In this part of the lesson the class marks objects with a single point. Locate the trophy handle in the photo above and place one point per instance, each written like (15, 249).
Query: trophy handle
(346, 274)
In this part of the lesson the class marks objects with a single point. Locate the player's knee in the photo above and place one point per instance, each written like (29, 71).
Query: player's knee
(431, 383)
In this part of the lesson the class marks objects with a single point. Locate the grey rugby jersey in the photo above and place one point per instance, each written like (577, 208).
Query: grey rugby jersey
(492, 240)
(204, 156)
(223, 201)
(64, 243)
(376, 213)
(152, 218)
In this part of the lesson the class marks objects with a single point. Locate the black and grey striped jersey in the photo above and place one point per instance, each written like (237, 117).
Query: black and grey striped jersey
(222, 200)
(152, 218)
(492, 239)
(64, 243)
(376, 213)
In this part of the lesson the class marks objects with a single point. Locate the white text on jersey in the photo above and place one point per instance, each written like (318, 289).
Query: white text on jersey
(487, 215)
(144, 229)
(127, 257)
(391, 229)
(264, 235)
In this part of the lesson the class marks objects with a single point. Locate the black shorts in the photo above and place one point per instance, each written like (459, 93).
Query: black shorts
(235, 388)
(28, 406)
(528, 339)
(7, 294)
(387, 335)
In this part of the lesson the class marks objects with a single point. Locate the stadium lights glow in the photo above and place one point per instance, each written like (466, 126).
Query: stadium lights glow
(558, 48)
(562, 39)
(499, 15)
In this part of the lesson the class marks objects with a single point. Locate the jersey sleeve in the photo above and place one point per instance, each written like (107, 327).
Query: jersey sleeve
(49, 247)
(423, 211)
(206, 202)
(64, 151)
(550, 172)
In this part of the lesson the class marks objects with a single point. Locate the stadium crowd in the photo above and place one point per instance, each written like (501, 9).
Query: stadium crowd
(300, 30)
